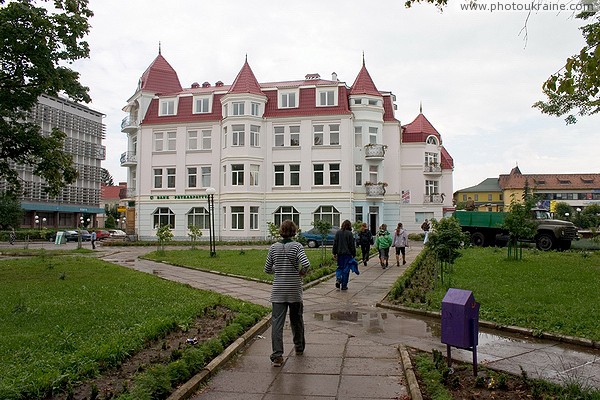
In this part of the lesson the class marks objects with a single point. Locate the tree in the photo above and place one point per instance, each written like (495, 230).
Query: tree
(36, 44)
(164, 235)
(106, 177)
(446, 238)
(563, 211)
(195, 234)
(518, 221)
(323, 228)
(11, 212)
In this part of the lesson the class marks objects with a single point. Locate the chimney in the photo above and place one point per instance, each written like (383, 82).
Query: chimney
(219, 84)
(195, 85)
(206, 84)
(334, 76)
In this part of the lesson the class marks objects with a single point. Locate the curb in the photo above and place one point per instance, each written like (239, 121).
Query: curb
(191, 386)
(413, 385)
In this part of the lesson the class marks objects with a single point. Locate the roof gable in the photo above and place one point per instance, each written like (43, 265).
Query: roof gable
(364, 84)
(245, 81)
(419, 130)
(160, 77)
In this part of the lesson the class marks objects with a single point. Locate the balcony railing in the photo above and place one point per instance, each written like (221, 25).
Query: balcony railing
(128, 158)
(129, 123)
(375, 151)
(432, 168)
(375, 190)
(434, 198)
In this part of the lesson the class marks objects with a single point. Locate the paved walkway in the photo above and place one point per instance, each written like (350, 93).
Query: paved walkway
(352, 345)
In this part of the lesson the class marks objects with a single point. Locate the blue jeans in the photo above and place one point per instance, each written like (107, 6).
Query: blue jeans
(296, 323)
(342, 273)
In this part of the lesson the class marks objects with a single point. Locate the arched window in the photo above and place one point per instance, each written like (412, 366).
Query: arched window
(327, 213)
(164, 216)
(198, 216)
(286, 212)
(432, 140)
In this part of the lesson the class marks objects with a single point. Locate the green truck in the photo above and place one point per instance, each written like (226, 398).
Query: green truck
(487, 229)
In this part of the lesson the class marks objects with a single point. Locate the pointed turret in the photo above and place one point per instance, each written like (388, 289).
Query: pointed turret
(363, 83)
(160, 77)
(419, 130)
(245, 81)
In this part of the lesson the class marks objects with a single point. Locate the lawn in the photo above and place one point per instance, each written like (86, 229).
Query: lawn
(69, 317)
(546, 291)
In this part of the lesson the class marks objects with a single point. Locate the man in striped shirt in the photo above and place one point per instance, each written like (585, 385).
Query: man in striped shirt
(287, 260)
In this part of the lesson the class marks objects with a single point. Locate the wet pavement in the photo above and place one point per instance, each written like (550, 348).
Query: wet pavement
(352, 345)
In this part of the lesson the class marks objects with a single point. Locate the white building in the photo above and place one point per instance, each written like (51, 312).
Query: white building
(303, 150)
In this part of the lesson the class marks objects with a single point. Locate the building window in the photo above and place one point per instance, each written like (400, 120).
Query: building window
(255, 109)
(432, 140)
(158, 141)
(431, 159)
(294, 135)
(238, 108)
(171, 178)
(318, 171)
(192, 173)
(224, 137)
(287, 100)
(358, 136)
(202, 105)
(224, 175)
(422, 216)
(237, 135)
(206, 172)
(295, 174)
(489, 197)
(171, 141)
(286, 212)
(237, 174)
(334, 134)
(334, 174)
(373, 173)
(358, 175)
(254, 171)
(476, 196)
(279, 171)
(199, 216)
(237, 217)
(358, 214)
(254, 135)
(254, 218)
(206, 139)
(464, 197)
(167, 107)
(327, 213)
(318, 135)
(279, 135)
(192, 140)
(431, 187)
(163, 216)
(158, 175)
(326, 97)
(373, 134)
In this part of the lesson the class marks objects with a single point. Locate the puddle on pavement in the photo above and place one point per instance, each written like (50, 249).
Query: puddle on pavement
(373, 322)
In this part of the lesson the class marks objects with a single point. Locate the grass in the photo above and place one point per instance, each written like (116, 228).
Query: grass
(69, 317)
(553, 292)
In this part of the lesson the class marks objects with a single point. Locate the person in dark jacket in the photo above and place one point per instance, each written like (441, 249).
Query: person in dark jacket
(365, 240)
(344, 250)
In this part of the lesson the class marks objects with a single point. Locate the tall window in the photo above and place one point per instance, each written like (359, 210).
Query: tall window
(373, 134)
(334, 174)
(237, 174)
(255, 109)
(373, 173)
(224, 137)
(206, 139)
(192, 177)
(294, 135)
(237, 217)
(295, 174)
(279, 132)
(238, 108)
(358, 214)
(358, 175)
(358, 136)
(202, 105)
(171, 178)
(254, 172)
(327, 213)
(199, 216)
(206, 171)
(431, 187)
(431, 158)
(192, 140)
(237, 135)
(287, 100)
(318, 135)
(167, 107)
(286, 212)
(171, 141)
(158, 176)
(163, 216)
(334, 134)
(254, 218)
(159, 138)
(279, 171)
(254, 135)
(318, 171)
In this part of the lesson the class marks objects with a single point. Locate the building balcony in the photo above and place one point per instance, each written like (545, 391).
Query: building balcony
(434, 198)
(128, 159)
(375, 190)
(129, 124)
(375, 151)
(432, 169)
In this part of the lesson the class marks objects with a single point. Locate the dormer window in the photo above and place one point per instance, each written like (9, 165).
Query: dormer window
(432, 140)
(327, 97)
(564, 181)
(288, 99)
(202, 105)
(167, 107)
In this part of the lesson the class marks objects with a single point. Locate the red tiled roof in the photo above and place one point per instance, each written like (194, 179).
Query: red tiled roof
(388, 109)
(447, 162)
(160, 77)
(419, 130)
(111, 192)
(245, 81)
(306, 104)
(516, 180)
(364, 84)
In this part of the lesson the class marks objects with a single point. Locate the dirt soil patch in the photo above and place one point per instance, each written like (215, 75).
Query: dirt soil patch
(113, 382)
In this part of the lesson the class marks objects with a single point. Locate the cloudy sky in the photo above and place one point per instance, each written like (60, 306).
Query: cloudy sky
(474, 71)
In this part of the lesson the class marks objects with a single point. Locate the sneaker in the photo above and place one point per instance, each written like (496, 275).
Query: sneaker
(365, 263)
(403, 262)
(299, 353)
(382, 266)
(278, 362)
(345, 288)
(337, 284)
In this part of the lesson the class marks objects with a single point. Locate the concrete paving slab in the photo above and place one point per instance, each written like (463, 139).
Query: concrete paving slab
(311, 385)
(368, 387)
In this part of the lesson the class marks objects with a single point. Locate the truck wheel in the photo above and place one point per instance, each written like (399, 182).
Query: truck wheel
(478, 239)
(544, 242)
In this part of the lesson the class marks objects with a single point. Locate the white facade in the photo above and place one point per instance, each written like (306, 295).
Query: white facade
(301, 150)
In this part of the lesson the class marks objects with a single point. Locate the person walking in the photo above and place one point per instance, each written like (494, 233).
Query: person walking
(344, 250)
(93, 239)
(425, 226)
(288, 262)
(382, 244)
(365, 240)
(400, 242)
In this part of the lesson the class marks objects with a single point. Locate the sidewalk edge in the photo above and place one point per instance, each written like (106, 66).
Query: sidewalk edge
(413, 385)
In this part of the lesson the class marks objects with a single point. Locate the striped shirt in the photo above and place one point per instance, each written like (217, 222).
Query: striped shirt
(283, 260)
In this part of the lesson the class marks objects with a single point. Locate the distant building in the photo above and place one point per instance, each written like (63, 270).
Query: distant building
(308, 149)
(112, 197)
(85, 131)
(486, 196)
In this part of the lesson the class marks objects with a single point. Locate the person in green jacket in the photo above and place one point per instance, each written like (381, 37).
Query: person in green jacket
(383, 244)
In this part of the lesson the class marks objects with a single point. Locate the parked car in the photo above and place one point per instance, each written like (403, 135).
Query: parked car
(102, 234)
(73, 236)
(117, 234)
(314, 239)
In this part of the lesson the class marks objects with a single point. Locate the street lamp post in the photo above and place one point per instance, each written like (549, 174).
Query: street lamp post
(37, 222)
(210, 192)
(79, 236)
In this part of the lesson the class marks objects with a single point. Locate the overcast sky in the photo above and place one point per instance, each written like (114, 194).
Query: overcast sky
(473, 71)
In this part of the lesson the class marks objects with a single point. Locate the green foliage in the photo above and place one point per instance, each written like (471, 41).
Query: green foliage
(432, 377)
(563, 211)
(356, 226)
(413, 286)
(164, 235)
(323, 228)
(518, 220)
(194, 234)
(446, 238)
(11, 212)
(36, 45)
(273, 231)
(588, 218)
(106, 177)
